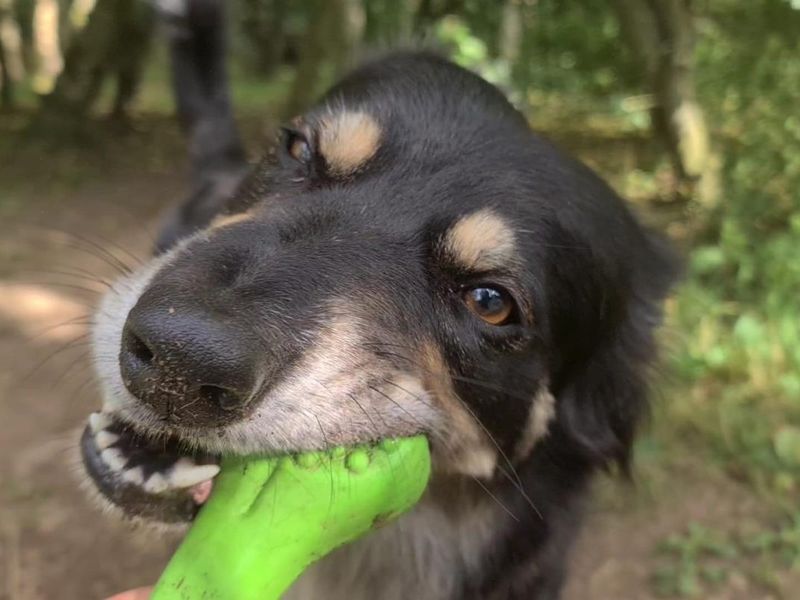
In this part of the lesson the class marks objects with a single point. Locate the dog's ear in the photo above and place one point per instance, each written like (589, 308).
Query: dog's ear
(607, 305)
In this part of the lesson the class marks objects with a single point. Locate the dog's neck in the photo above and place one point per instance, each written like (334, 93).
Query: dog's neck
(428, 553)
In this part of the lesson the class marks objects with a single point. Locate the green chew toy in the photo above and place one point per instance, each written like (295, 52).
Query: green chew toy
(270, 518)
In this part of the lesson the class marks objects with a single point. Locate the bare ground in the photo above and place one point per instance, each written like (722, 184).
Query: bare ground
(55, 545)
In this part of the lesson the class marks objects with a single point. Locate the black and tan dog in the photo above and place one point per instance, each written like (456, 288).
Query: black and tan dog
(412, 259)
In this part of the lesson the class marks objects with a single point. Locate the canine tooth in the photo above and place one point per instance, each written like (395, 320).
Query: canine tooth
(104, 439)
(134, 475)
(113, 458)
(156, 484)
(99, 421)
(185, 473)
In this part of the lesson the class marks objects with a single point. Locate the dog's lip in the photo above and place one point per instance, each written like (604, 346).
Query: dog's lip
(144, 477)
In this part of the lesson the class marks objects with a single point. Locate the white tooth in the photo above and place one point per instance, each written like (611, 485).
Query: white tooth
(156, 484)
(113, 458)
(185, 473)
(99, 421)
(104, 439)
(134, 475)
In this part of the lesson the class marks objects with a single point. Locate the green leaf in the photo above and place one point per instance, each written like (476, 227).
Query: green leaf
(707, 259)
(786, 443)
(748, 329)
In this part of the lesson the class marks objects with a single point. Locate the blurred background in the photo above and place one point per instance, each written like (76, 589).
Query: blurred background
(688, 107)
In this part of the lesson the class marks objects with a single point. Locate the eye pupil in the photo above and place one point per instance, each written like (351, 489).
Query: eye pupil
(493, 305)
(296, 146)
(299, 149)
(489, 300)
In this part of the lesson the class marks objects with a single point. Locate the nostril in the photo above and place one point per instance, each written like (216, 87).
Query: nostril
(137, 348)
(224, 398)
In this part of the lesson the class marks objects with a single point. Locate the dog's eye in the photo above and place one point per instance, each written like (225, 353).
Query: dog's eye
(297, 146)
(492, 304)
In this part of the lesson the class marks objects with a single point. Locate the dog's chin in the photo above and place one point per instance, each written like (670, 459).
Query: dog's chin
(156, 478)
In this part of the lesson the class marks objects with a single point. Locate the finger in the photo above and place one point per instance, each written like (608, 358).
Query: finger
(142, 593)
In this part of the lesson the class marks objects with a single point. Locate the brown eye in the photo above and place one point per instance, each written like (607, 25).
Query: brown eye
(493, 305)
(297, 146)
(300, 150)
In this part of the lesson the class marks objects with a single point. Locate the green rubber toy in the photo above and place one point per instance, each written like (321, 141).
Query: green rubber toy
(268, 519)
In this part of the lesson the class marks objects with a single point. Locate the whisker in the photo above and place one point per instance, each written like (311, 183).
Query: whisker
(327, 445)
(513, 477)
(126, 268)
(81, 357)
(75, 343)
(87, 246)
(414, 420)
(79, 320)
(79, 242)
(102, 258)
(360, 406)
(516, 479)
(478, 382)
(369, 417)
(90, 274)
(136, 259)
(496, 499)
(70, 286)
(66, 273)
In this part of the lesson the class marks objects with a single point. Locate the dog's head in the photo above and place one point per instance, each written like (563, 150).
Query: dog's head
(412, 258)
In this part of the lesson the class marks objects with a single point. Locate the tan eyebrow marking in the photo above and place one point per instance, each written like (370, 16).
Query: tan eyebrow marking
(230, 219)
(481, 241)
(347, 140)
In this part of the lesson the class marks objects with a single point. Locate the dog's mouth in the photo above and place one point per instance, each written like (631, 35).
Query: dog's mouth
(154, 478)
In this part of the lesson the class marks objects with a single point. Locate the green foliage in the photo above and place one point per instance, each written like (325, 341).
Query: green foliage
(575, 48)
(739, 310)
(470, 51)
(696, 562)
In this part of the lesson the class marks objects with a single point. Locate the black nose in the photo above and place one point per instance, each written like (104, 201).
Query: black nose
(191, 368)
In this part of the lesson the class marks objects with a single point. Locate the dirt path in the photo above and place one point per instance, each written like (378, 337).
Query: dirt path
(55, 545)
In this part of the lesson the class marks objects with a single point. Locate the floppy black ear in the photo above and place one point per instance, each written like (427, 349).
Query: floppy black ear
(607, 308)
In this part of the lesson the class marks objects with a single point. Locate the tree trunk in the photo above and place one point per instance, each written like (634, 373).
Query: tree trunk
(335, 27)
(509, 41)
(23, 20)
(389, 21)
(12, 63)
(6, 79)
(47, 45)
(114, 42)
(263, 25)
(135, 21)
(6, 82)
(661, 34)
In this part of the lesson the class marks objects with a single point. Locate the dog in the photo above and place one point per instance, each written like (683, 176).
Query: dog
(410, 259)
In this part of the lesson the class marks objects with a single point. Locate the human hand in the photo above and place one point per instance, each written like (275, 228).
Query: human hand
(142, 593)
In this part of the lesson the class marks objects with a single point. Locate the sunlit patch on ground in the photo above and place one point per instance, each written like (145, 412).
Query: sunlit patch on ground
(38, 311)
